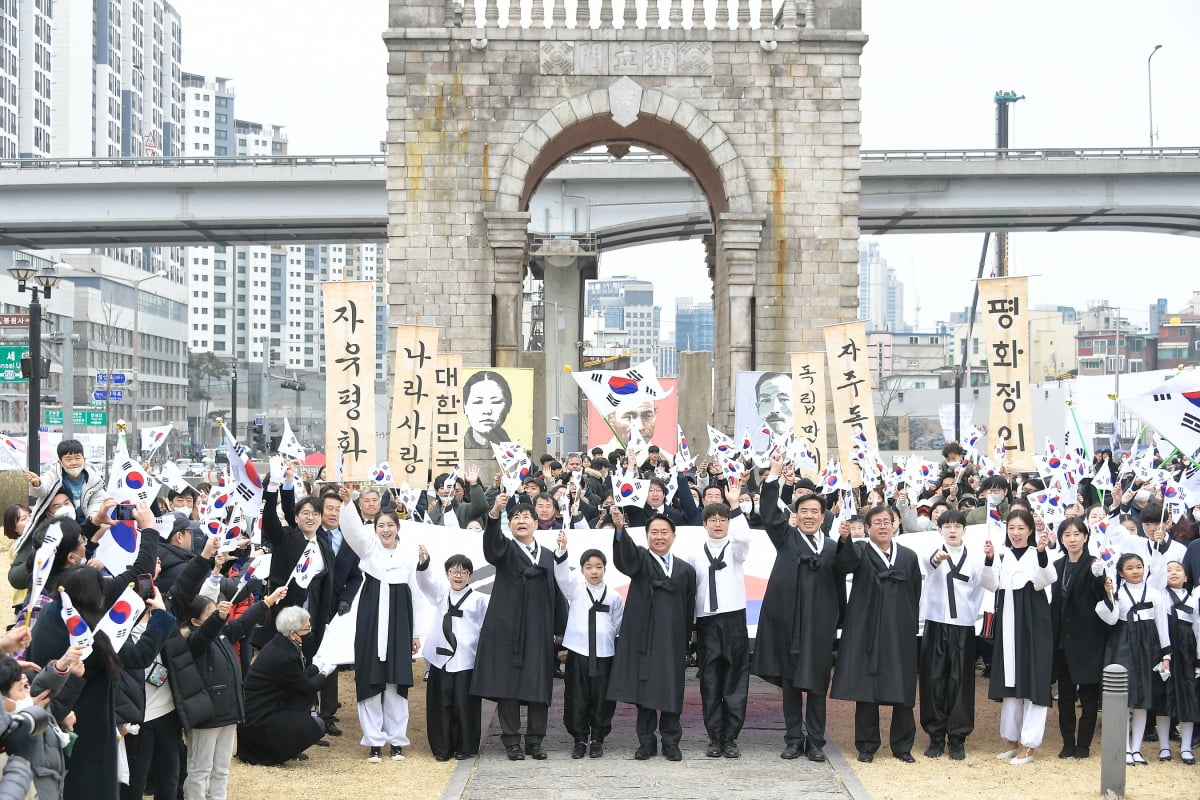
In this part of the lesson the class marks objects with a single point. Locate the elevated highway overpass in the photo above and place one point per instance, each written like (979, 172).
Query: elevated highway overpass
(57, 203)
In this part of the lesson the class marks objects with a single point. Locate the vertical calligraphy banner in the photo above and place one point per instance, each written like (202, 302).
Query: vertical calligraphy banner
(853, 406)
(410, 434)
(350, 377)
(448, 449)
(810, 396)
(1005, 306)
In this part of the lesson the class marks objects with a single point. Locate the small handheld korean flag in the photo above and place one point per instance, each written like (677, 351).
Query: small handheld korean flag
(1172, 408)
(303, 573)
(249, 573)
(289, 445)
(118, 548)
(12, 453)
(42, 560)
(383, 475)
(172, 477)
(77, 627)
(152, 438)
(630, 491)
(129, 483)
(119, 620)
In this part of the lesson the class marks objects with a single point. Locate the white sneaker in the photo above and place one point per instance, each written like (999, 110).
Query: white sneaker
(1008, 755)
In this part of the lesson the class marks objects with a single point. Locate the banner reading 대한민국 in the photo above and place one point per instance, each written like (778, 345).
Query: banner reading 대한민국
(350, 376)
(447, 412)
(810, 396)
(853, 404)
(1004, 304)
(414, 375)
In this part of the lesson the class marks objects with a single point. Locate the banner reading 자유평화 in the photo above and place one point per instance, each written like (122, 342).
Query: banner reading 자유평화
(350, 376)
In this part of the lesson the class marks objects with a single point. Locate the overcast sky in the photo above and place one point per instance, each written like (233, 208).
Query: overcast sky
(930, 72)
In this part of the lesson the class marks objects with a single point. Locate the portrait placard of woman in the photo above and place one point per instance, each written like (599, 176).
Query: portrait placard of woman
(487, 399)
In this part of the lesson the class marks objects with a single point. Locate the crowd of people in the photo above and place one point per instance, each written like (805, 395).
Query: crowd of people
(227, 659)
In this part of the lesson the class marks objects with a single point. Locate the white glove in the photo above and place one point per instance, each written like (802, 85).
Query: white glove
(278, 471)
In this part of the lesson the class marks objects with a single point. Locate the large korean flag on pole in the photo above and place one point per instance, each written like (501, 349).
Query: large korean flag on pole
(1172, 409)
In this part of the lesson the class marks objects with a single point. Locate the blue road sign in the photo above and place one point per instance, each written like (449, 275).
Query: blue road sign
(117, 378)
(116, 394)
(101, 377)
(100, 395)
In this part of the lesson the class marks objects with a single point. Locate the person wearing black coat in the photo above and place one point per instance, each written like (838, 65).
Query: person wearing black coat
(656, 503)
(287, 544)
(648, 666)
(1079, 638)
(280, 690)
(797, 624)
(346, 579)
(154, 753)
(174, 553)
(210, 636)
(92, 765)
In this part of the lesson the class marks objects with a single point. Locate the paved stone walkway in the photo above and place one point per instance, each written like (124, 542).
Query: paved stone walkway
(759, 773)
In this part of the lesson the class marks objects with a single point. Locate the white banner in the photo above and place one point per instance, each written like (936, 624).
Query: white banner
(1004, 304)
(853, 406)
(350, 378)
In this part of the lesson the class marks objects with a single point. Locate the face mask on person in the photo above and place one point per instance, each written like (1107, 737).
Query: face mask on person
(745, 506)
(1141, 497)
(21, 704)
(1196, 514)
(65, 512)
(73, 472)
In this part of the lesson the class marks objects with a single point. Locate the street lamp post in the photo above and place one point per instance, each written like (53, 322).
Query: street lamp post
(136, 389)
(1150, 90)
(45, 279)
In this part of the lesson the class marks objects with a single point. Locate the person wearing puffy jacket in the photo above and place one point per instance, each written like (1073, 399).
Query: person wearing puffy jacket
(210, 636)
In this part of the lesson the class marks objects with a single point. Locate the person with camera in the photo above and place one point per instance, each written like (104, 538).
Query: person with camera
(26, 702)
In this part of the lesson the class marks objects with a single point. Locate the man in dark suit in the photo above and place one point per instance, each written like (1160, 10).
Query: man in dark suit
(346, 579)
(287, 543)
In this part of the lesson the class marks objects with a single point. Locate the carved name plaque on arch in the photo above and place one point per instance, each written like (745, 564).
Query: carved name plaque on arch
(626, 58)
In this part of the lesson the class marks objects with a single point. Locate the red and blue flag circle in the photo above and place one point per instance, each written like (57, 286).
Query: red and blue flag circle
(120, 611)
(135, 480)
(622, 386)
(76, 625)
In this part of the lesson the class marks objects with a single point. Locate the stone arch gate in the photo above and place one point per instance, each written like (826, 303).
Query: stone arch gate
(762, 110)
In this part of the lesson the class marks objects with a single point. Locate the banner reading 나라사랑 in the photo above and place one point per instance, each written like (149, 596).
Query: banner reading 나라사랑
(350, 376)
(1004, 304)
(810, 397)
(410, 432)
(447, 412)
(853, 405)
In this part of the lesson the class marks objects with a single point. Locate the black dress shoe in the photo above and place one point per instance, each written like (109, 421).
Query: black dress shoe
(300, 757)
(580, 750)
(514, 752)
(732, 750)
(1068, 751)
(1082, 752)
(907, 758)
(332, 729)
(535, 751)
(958, 751)
(714, 750)
(866, 758)
(597, 748)
(672, 752)
(443, 758)
(790, 752)
(813, 752)
(462, 756)
(935, 749)
(645, 752)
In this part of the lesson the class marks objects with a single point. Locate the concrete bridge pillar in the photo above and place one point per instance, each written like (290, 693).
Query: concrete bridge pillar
(738, 238)
(508, 236)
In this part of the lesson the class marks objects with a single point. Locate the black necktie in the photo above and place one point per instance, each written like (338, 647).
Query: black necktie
(452, 610)
(714, 564)
(955, 574)
(597, 607)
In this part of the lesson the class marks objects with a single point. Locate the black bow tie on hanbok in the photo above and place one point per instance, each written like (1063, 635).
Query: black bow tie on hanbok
(1145, 605)
(662, 585)
(812, 560)
(598, 606)
(890, 575)
(452, 610)
(714, 564)
(1180, 604)
(533, 572)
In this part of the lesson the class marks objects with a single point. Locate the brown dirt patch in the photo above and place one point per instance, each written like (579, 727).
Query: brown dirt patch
(982, 777)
